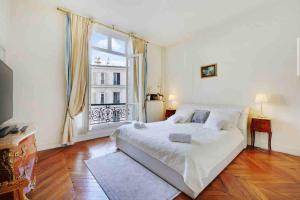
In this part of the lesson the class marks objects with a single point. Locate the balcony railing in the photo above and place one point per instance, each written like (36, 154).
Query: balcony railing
(104, 113)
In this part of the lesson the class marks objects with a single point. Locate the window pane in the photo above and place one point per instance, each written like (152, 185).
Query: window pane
(99, 40)
(102, 98)
(117, 77)
(118, 45)
(102, 78)
(103, 58)
(116, 97)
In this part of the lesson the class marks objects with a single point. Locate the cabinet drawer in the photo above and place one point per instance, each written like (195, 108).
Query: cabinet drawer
(25, 149)
(261, 125)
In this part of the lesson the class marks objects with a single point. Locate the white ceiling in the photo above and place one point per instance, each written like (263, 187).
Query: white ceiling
(163, 22)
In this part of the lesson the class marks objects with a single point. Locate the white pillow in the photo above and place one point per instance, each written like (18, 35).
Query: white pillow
(175, 119)
(222, 120)
(185, 113)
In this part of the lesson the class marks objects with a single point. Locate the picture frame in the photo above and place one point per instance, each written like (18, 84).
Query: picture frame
(208, 71)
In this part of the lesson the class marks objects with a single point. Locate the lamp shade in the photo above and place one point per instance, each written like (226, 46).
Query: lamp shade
(261, 98)
(172, 97)
(172, 101)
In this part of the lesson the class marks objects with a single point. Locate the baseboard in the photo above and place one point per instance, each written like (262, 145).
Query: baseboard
(48, 146)
(92, 135)
(288, 150)
(79, 138)
(279, 148)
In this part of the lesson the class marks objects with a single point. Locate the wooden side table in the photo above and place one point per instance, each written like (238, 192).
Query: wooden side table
(18, 156)
(261, 125)
(169, 113)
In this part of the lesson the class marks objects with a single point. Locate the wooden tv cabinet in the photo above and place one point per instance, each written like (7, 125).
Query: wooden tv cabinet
(18, 156)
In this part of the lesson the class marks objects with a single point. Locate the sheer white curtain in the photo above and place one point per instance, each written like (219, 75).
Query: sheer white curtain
(137, 79)
(132, 97)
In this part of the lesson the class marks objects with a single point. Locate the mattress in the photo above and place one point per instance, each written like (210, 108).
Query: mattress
(189, 167)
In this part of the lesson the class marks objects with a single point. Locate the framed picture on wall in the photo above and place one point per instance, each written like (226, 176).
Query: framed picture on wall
(207, 71)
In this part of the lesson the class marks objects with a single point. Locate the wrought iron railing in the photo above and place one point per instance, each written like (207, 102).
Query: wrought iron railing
(104, 113)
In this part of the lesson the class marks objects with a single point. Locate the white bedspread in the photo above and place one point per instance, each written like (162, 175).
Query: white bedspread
(193, 161)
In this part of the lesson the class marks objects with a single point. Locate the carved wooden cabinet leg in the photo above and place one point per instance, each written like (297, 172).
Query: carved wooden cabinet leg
(253, 139)
(270, 141)
(21, 194)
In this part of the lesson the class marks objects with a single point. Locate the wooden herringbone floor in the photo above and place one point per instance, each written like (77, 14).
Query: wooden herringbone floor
(254, 174)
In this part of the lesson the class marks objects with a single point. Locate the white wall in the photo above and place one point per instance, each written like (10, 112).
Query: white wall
(4, 24)
(255, 52)
(155, 67)
(36, 54)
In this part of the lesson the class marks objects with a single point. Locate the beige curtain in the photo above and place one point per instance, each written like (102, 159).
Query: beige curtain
(139, 47)
(78, 37)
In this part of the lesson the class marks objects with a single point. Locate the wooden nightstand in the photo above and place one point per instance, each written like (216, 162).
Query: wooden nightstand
(261, 125)
(169, 113)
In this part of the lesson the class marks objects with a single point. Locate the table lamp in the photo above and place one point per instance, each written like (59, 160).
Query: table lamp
(172, 101)
(261, 99)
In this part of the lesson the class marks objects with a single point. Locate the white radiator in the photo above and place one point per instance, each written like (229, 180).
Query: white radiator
(155, 111)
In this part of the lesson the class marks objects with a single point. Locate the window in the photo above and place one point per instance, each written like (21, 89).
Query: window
(116, 116)
(108, 63)
(117, 78)
(116, 97)
(100, 40)
(118, 45)
(97, 79)
(102, 98)
(99, 98)
(102, 78)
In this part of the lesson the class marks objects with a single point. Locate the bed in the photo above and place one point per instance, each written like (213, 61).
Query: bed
(188, 167)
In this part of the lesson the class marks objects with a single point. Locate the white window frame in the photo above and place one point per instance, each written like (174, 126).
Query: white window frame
(109, 46)
(109, 50)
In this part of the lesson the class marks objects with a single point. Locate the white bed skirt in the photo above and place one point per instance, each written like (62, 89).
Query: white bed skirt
(170, 175)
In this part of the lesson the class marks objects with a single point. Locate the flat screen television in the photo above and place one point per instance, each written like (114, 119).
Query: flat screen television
(6, 92)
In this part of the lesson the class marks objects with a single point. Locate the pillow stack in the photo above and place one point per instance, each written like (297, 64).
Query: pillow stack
(222, 120)
(214, 119)
(182, 115)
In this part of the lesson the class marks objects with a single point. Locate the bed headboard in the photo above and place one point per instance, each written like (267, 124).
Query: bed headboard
(243, 121)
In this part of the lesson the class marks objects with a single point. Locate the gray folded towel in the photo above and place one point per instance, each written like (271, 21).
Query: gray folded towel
(180, 137)
(139, 125)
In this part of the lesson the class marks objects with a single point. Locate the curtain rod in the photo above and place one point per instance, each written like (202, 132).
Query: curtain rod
(112, 27)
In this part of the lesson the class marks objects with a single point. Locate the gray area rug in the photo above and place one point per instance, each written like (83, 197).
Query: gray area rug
(122, 178)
